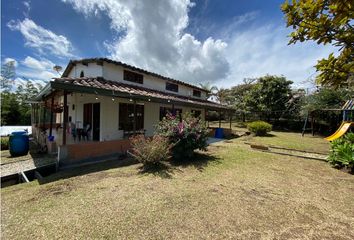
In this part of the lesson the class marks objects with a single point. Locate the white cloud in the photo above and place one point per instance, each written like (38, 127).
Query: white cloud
(43, 40)
(33, 63)
(27, 5)
(40, 69)
(7, 60)
(265, 50)
(155, 40)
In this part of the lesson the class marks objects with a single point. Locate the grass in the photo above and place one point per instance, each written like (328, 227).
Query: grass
(282, 139)
(231, 192)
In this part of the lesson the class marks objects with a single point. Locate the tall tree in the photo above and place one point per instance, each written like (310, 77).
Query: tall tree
(326, 22)
(269, 95)
(8, 74)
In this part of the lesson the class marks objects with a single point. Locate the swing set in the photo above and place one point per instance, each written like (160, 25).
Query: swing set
(347, 120)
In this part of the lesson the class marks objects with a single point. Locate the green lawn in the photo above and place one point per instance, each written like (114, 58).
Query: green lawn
(232, 192)
(281, 139)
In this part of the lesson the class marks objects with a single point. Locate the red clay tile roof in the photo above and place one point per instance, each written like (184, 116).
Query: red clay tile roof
(107, 60)
(101, 83)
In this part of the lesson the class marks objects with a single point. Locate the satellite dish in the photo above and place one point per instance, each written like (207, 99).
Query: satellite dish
(57, 68)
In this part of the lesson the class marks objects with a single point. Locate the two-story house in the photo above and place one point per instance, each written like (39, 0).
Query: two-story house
(101, 100)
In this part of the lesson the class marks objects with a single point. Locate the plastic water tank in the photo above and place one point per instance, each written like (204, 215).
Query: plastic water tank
(19, 143)
(219, 133)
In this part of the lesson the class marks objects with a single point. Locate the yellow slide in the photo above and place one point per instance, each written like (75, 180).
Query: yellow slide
(341, 130)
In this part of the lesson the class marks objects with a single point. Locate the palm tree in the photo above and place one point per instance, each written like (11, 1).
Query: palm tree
(212, 90)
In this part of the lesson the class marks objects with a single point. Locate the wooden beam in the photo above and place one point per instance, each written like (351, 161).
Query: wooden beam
(44, 113)
(134, 123)
(65, 118)
(219, 118)
(51, 117)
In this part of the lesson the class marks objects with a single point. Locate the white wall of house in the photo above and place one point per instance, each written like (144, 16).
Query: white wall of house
(91, 70)
(109, 114)
(114, 72)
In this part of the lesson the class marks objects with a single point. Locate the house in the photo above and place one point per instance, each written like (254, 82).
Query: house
(98, 103)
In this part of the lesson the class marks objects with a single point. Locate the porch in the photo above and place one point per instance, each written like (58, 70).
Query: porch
(81, 122)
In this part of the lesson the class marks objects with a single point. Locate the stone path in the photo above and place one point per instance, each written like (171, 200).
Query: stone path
(12, 165)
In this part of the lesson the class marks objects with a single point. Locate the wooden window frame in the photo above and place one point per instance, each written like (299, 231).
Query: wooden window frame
(172, 87)
(133, 77)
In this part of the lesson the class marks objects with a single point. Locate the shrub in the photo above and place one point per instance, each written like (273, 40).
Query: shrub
(342, 152)
(259, 128)
(4, 143)
(150, 151)
(186, 133)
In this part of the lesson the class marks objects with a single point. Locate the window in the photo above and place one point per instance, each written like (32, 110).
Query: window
(126, 117)
(171, 87)
(82, 74)
(196, 93)
(133, 77)
(165, 110)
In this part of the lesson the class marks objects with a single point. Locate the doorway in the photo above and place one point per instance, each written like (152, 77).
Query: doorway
(92, 117)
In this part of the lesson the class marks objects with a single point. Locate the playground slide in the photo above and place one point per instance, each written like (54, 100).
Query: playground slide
(341, 130)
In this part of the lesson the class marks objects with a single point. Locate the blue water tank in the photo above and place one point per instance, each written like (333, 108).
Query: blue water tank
(19, 143)
(219, 133)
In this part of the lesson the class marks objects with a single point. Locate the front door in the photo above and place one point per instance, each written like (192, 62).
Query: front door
(96, 122)
(92, 117)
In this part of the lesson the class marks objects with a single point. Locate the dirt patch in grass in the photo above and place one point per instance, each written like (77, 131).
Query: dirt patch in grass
(241, 194)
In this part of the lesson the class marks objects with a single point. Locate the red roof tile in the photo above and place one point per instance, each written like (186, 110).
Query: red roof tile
(101, 83)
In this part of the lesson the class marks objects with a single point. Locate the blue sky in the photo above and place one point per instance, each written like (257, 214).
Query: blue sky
(201, 41)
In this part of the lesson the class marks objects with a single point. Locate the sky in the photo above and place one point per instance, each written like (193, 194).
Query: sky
(201, 41)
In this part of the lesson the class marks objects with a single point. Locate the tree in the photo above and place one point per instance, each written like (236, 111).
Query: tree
(10, 109)
(211, 89)
(269, 95)
(24, 94)
(8, 74)
(326, 22)
(326, 98)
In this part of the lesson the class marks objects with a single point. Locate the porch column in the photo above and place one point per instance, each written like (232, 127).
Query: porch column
(44, 113)
(219, 118)
(134, 123)
(51, 117)
(65, 120)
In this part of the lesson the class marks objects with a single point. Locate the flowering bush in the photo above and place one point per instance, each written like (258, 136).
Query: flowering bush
(186, 133)
(150, 151)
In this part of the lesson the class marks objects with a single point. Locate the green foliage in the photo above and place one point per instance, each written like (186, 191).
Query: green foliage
(326, 98)
(270, 94)
(15, 110)
(10, 109)
(326, 22)
(342, 151)
(186, 133)
(4, 143)
(259, 128)
(7, 75)
(150, 151)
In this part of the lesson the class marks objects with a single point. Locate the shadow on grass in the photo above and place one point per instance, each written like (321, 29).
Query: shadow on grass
(199, 160)
(87, 169)
(162, 169)
(166, 169)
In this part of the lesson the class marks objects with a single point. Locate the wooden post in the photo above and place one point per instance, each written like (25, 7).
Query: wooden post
(219, 118)
(44, 113)
(51, 117)
(65, 118)
(230, 120)
(134, 123)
